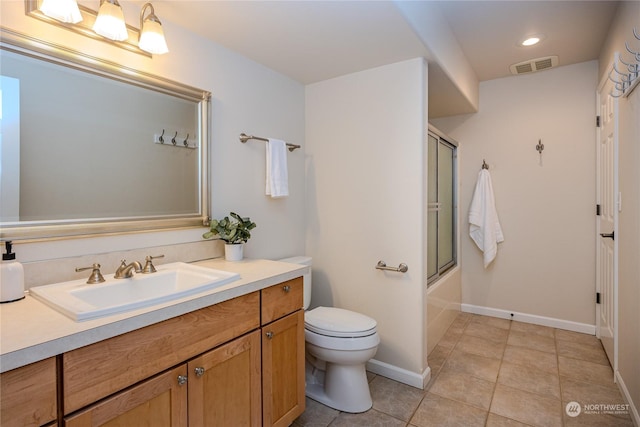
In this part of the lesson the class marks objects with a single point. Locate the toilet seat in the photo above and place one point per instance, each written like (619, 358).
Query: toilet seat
(339, 323)
(340, 343)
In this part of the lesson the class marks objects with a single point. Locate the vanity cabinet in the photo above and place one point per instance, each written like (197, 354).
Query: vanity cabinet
(28, 395)
(282, 353)
(236, 363)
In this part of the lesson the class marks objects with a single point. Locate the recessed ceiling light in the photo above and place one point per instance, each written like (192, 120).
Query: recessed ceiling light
(531, 40)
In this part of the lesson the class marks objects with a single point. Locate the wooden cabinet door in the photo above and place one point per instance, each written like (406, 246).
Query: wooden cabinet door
(28, 395)
(283, 370)
(224, 385)
(160, 401)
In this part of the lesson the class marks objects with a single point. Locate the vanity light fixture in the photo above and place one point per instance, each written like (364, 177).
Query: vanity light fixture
(110, 21)
(62, 10)
(89, 24)
(151, 34)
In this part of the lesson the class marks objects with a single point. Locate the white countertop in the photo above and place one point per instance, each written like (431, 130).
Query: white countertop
(31, 331)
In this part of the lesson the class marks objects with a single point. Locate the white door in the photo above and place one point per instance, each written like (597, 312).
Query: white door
(608, 198)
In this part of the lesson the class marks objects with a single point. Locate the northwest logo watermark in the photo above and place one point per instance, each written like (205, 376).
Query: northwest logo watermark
(573, 409)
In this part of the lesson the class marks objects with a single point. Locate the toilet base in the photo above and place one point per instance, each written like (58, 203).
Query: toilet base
(341, 387)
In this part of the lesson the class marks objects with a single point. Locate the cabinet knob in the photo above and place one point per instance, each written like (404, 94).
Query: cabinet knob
(286, 288)
(269, 334)
(182, 379)
(199, 371)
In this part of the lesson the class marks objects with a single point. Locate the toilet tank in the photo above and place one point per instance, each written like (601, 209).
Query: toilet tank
(306, 278)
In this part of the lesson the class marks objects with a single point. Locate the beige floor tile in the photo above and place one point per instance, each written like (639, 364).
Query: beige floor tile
(459, 323)
(316, 415)
(371, 418)
(530, 328)
(494, 420)
(482, 347)
(492, 321)
(526, 407)
(535, 342)
(394, 398)
(529, 379)
(482, 367)
(436, 411)
(507, 368)
(487, 332)
(585, 371)
(572, 336)
(463, 388)
(588, 393)
(582, 351)
(450, 338)
(528, 357)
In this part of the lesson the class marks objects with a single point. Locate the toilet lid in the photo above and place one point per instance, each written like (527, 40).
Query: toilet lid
(337, 322)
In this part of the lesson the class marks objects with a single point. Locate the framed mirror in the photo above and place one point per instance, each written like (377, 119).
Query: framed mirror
(89, 146)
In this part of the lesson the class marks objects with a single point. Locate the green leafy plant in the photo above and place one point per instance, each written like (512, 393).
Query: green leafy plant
(232, 231)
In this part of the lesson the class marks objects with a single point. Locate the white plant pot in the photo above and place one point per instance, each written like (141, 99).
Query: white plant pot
(233, 252)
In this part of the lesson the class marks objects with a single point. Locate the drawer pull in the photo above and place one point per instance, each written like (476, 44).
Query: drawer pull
(199, 371)
(286, 288)
(269, 334)
(182, 379)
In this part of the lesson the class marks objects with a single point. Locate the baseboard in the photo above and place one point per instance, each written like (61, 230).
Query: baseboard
(530, 318)
(633, 411)
(398, 374)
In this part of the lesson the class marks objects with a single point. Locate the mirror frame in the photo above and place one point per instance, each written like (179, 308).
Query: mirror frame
(17, 42)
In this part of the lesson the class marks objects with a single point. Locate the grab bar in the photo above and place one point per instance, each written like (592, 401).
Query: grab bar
(402, 268)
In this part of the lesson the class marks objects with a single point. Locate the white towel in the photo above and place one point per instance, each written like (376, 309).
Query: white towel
(484, 226)
(277, 175)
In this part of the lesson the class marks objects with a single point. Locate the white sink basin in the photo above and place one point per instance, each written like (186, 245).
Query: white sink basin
(81, 301)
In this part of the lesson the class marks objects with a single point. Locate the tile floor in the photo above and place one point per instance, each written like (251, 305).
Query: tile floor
(493, 372)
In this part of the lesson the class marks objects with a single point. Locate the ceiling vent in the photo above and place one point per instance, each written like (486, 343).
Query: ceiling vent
(533, 65)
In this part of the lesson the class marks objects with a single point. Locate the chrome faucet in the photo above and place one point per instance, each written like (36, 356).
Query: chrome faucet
(125, 271)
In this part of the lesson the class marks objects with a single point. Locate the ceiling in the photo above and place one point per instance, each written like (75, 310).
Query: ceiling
(311, 40)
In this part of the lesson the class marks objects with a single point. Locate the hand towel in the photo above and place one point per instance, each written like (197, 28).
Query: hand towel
(277, 175)
(484, 226)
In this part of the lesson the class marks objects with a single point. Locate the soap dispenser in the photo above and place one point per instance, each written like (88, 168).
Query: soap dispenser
(11, 277)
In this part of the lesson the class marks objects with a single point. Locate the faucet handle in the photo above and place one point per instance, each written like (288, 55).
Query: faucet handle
(149, 267)
(95, 277)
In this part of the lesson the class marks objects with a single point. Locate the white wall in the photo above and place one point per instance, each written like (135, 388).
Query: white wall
(365, 134)
(545, 267)
(628, 235)
(247, 97)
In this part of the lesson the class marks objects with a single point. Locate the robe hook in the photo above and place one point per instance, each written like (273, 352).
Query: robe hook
(636, 54)
(173, 140)
(186, 141)
(161, 139)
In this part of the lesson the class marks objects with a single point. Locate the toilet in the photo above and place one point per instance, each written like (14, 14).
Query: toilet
(338, 345)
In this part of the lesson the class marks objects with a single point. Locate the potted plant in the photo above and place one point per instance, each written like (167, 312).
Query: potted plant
(234, 232)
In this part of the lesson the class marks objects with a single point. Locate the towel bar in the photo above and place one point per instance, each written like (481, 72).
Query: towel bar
(402, 268)
(244, 138)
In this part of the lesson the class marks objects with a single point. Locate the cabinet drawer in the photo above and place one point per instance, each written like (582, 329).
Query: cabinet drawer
(28, 394)
(98, 370)
(281, 299)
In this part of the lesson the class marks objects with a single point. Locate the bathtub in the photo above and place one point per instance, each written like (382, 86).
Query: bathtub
(443, 305)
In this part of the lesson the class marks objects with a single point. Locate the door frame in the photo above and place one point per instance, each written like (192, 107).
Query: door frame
(616, 210)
